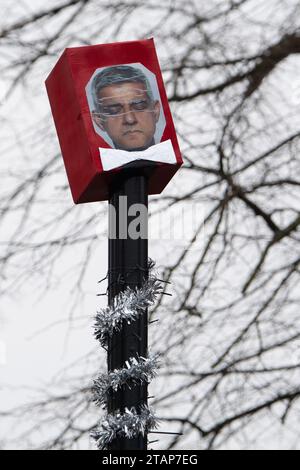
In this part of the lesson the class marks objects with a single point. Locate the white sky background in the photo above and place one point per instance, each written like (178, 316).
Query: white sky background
(35, 321)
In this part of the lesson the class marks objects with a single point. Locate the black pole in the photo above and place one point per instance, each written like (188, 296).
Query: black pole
(128, 266)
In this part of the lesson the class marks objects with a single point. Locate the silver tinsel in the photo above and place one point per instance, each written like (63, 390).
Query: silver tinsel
(138, 369)
(127, 306)
(129, 424)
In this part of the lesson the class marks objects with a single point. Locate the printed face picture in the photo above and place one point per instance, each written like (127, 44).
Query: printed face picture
(125, 106)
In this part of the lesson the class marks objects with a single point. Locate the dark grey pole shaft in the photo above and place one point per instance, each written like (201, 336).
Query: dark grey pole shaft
(124, 255)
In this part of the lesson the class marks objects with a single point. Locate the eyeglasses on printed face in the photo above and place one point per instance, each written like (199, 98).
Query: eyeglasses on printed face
(115, 110)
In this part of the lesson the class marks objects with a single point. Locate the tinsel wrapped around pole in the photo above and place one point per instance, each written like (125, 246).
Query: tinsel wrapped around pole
(127, 425)
(131, 423)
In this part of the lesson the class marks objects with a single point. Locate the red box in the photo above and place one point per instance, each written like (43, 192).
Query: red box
(106, 97)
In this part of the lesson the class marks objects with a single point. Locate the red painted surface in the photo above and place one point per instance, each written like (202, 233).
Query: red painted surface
(77, 137)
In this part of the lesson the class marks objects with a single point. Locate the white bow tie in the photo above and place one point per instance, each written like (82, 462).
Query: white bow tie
(162, 153)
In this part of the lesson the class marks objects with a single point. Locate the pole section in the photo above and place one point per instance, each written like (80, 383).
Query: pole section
(128, 266)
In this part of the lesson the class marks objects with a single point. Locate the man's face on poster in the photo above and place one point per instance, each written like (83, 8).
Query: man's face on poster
(128, 115)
